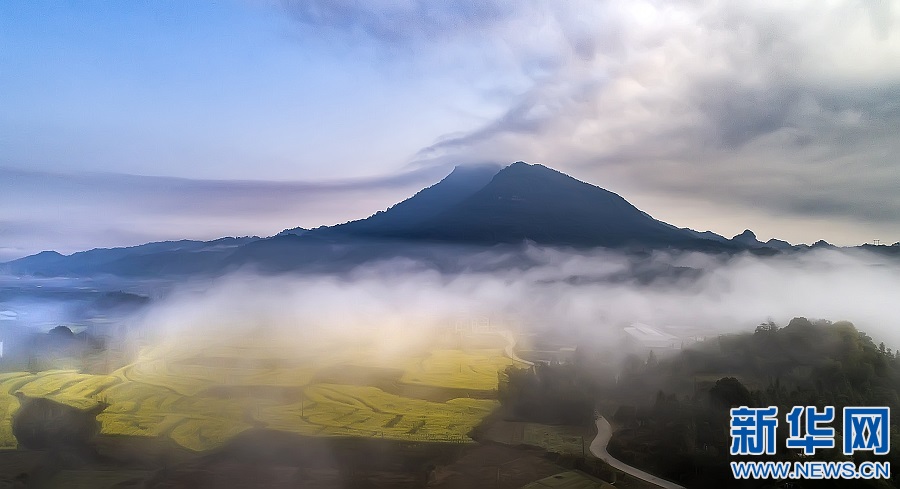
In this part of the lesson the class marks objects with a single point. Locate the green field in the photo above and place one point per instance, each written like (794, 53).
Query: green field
(201, 397)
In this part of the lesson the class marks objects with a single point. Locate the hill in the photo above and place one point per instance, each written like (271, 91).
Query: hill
(158, 258)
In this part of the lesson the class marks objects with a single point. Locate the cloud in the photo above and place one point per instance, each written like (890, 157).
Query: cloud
(788, 109)
(561, 292)
(78, 211)
(720, 115)
(398, 22)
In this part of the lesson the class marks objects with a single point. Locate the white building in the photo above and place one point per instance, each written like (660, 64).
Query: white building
(650, 337)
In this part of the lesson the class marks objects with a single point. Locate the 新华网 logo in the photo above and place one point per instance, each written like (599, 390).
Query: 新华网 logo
(864, 429)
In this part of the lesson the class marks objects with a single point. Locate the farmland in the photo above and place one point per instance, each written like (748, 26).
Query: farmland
(459, 369)
(560, 439)
(202, 397)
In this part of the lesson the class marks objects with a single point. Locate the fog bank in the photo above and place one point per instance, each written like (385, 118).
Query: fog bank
(594, 294)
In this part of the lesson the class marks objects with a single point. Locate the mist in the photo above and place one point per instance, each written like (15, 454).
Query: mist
(572, 293)
(335, 375)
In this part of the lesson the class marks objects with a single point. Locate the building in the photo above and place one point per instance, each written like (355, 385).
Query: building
(644, 336)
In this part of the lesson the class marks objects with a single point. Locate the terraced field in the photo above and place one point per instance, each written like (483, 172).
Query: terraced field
(200, 398)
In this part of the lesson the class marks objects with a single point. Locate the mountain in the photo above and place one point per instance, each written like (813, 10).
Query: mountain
(822, 244)
(163, 257)
(535, 203)
(779, 244)
(44, 259)
(473, 207)
(698, 234)
(424, 206)
(748, 239)
(298, 231)
(707, 235)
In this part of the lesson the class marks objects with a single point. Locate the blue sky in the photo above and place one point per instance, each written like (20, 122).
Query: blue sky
(777, 116)
(203, 90)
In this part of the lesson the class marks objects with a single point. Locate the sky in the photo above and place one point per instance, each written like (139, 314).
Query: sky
(127, 122)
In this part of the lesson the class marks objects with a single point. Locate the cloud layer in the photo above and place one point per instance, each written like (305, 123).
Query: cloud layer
(591, 294)
(785, 109)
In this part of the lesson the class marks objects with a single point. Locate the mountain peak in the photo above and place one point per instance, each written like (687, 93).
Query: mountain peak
(474, 168)
(531, 202)
(298, 231)
(748, 238)
(822, 244)
(425, 205)
(532, 168)
(779, 244)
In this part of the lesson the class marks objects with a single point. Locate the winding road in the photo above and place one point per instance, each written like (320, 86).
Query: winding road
(598, 449)
(604, 433)
(510, 347)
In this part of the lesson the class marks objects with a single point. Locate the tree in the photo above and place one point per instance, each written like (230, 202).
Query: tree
(767, 327)
(730, 392)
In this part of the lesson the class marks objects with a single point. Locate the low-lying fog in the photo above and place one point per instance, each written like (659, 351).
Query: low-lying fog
(596, 294)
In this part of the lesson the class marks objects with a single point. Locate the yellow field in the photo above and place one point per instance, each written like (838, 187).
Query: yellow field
(367, 411)
(475, 369)
(200, 399)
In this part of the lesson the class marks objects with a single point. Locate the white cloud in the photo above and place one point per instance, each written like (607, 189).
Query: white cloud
(788, 108)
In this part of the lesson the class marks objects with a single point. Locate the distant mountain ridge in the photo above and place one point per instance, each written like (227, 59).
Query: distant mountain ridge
(479, 205)
(183, 256)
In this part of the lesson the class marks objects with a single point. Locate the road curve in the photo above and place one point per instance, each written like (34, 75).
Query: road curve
(511, 347)
(604, 432)
(598, 449)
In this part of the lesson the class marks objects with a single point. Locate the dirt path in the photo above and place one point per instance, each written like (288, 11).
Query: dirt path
(598, 449)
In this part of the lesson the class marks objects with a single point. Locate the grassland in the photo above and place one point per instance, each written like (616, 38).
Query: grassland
(200, 398)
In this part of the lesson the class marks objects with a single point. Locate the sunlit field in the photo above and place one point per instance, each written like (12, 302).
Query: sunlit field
(201, 396)
(457, 368)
